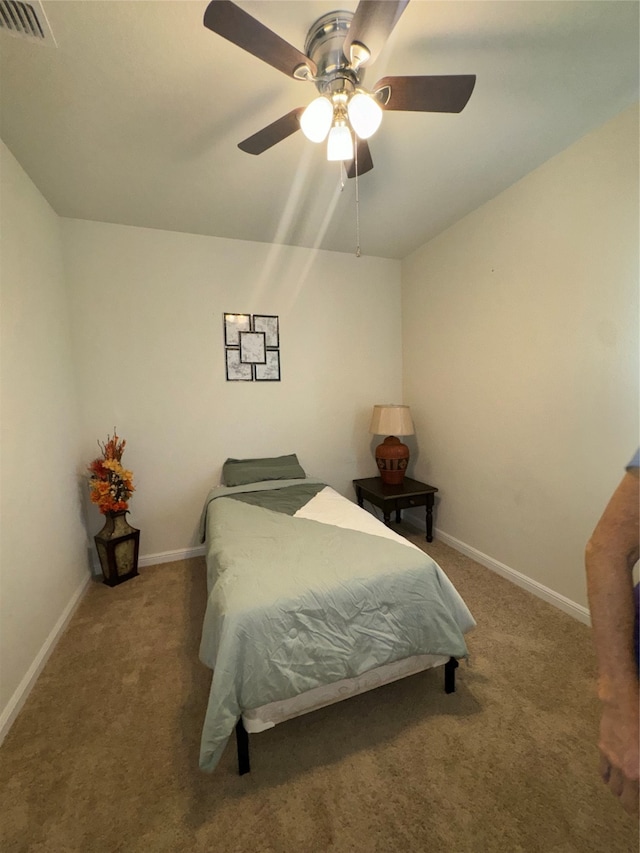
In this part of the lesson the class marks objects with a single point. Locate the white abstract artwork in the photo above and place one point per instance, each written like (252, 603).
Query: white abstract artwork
(268, 324)
(236, 371)
(252, 348)
(269, 372)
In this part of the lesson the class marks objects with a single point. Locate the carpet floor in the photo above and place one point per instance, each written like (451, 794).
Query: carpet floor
(103, 757)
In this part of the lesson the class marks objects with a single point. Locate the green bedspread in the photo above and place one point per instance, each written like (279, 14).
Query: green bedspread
(288, 500)
(295, 603)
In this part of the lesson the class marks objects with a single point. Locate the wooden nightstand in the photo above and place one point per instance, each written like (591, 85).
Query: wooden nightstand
(410, 494)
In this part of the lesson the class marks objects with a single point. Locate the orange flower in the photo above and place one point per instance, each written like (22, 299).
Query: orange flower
(97, 468)
(110, 485)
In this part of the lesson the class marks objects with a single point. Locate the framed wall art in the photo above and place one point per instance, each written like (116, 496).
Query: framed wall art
(236, 370)
(270, 371)
(267, 323)
(252, 347)
(233, 325)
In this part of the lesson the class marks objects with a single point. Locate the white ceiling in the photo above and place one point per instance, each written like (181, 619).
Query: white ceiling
(136, 115)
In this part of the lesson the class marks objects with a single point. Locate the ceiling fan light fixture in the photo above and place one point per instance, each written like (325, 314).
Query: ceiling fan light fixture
(365, 114)
(315, 121)
(338, 45)
(340, 143)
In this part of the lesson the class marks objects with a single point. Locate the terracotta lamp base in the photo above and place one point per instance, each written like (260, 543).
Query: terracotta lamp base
(392, 458)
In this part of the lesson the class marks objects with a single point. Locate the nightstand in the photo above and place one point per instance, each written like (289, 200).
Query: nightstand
(410, 494)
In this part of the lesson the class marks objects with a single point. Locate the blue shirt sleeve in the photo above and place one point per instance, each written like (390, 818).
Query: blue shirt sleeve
(635, 462)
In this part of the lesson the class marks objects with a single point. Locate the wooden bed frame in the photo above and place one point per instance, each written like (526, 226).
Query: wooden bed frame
(242, 736)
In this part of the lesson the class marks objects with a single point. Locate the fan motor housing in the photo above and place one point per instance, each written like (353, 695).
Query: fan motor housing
(324, 46)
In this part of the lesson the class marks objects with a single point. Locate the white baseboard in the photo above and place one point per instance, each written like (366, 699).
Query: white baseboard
(416, 521)
(147, 560)
(12, 709)
(171, 556)
(549, 595)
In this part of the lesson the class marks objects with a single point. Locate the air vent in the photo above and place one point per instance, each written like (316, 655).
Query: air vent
(26, 20)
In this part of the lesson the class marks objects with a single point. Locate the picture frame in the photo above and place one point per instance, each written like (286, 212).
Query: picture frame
(270, 370)
(269, 324)
(253, 349)
(236, 370)
(233, 325)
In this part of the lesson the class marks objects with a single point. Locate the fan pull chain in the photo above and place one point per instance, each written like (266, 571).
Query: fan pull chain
(343, 172)
(357, 207)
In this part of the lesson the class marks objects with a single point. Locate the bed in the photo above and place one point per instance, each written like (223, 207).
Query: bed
(311, 599)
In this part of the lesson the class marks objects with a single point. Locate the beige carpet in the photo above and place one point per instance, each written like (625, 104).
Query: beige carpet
(104, 755)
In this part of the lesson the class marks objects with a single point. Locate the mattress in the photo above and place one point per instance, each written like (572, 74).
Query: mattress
(268, 716)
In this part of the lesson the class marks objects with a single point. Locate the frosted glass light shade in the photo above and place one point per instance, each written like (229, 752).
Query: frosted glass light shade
(365, 114)
(340, 143)
(316, 120)
(391, 419)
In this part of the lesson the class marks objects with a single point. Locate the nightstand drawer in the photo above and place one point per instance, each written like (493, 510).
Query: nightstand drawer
(412, 500)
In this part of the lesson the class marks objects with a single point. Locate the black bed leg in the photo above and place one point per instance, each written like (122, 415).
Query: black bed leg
(450, 675)
(242, 742)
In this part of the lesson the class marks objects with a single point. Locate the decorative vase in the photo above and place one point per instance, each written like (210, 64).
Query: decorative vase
(117, 544)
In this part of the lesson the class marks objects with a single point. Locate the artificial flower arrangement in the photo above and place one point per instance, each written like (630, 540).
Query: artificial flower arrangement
(110, 484)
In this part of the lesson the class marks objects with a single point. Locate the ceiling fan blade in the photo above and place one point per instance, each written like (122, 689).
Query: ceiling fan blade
(371, 26)
(446, 94)
(233, 23)
(365, 163)
(272, 133)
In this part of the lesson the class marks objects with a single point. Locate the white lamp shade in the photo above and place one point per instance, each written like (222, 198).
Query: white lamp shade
(365, 114)
(316, 120)
(390, 419)
(340, 143)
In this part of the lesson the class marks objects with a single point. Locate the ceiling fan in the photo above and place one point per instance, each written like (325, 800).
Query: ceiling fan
(338, 47)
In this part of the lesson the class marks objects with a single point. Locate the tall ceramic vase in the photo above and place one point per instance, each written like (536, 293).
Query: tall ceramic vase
(117, 544)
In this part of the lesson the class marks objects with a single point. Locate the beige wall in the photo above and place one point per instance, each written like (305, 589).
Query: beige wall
(147, 317)
(520, 346)
(43, 556)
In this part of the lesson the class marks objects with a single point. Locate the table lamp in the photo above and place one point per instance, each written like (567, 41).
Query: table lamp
(392, 456)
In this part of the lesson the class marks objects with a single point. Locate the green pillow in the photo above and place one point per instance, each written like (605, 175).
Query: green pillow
(239, 472)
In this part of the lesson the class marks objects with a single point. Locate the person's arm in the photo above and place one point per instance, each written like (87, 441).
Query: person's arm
(612, 552)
